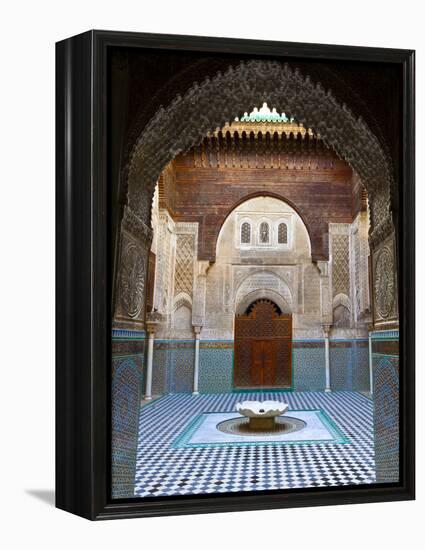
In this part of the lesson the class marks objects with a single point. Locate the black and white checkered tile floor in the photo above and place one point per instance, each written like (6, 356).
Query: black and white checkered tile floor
(163, 470)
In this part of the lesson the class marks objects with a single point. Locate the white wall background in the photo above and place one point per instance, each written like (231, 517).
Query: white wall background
(28, 32)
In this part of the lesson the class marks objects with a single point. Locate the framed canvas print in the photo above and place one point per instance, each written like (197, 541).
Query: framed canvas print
(235, 274)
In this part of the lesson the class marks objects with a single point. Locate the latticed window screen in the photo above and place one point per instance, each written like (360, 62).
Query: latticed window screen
(282, 233)
(246, 233)
(264, 232)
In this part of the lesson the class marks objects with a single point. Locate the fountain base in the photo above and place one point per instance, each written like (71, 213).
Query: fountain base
(262, 423)
(242, 426)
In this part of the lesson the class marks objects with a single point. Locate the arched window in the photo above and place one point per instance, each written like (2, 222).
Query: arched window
(264, 233)
(282, 233)
(245, 233)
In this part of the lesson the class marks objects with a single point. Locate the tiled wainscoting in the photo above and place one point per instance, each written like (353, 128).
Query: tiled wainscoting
(308, 365)
(385, 355)
(174, 359)
(349, 362)
(173, 365)
(128, 348)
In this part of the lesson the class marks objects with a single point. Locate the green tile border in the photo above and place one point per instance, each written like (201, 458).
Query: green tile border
(181, 441)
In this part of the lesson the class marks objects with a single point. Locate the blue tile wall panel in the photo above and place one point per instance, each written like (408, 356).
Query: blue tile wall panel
(127, 383)
(341, 368)
(125, 410)
(174, 360)
(216, 369)
(308, 364)
(386, 406)
(361, 376)
(181, 369)
(173, 363)
(349, 365)
(160, 371)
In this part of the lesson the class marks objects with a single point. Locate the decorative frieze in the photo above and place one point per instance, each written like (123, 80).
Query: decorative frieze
(262, 148)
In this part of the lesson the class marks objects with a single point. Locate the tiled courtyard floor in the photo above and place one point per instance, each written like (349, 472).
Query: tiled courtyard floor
(166, 468)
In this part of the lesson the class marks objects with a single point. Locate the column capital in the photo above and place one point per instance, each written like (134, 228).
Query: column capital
(326, 330)
(202, 267)
(323, 267)
(153, 319)
(150, 328)
(197, 329)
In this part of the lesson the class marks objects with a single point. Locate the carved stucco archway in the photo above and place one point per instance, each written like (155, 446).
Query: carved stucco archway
(209, 105)
(243, 302)
(263, 283)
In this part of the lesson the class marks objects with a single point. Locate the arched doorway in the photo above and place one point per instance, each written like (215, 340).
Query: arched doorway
(208, 106)
(263, 347)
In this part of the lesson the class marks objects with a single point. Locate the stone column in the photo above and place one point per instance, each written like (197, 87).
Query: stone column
(152, 321)
(370, 360)
(197, 330)
(326, 329)
(151, 338)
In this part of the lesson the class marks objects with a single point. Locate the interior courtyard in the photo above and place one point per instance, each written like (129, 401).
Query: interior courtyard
(259, 274)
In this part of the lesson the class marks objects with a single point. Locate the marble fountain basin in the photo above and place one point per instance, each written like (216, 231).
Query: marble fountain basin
(262, 414)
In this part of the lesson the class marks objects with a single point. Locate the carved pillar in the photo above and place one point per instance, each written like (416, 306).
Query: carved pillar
(325, 292)
(385, 310)
(326, 329)
(135, 244)
(165, 253)
(198, 310)
(197, 330)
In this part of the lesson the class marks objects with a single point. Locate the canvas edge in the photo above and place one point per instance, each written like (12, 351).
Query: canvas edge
(81, 381)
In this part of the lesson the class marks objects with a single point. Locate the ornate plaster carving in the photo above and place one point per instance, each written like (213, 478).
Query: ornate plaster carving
(384, 282)
(132, 279)
(132, 224)
(209, 105)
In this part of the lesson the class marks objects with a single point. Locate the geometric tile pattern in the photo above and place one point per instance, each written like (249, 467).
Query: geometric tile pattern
(173, 364)
(308, 364)
(386, 411)
(341, 266)
(183, 279)
(174, 360)
(128, 348)
(126, 392)
(164, 470)
(216, 370)
(341, 367)
(349, 365)
(181, 369)
(361, 374)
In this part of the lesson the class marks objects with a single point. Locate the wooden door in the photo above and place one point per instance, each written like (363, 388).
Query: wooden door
(256, 369)
(263, 347)
(263, 363)
(269, 363)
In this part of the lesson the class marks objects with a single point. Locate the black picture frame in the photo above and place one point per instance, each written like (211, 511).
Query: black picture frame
(82, 295)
